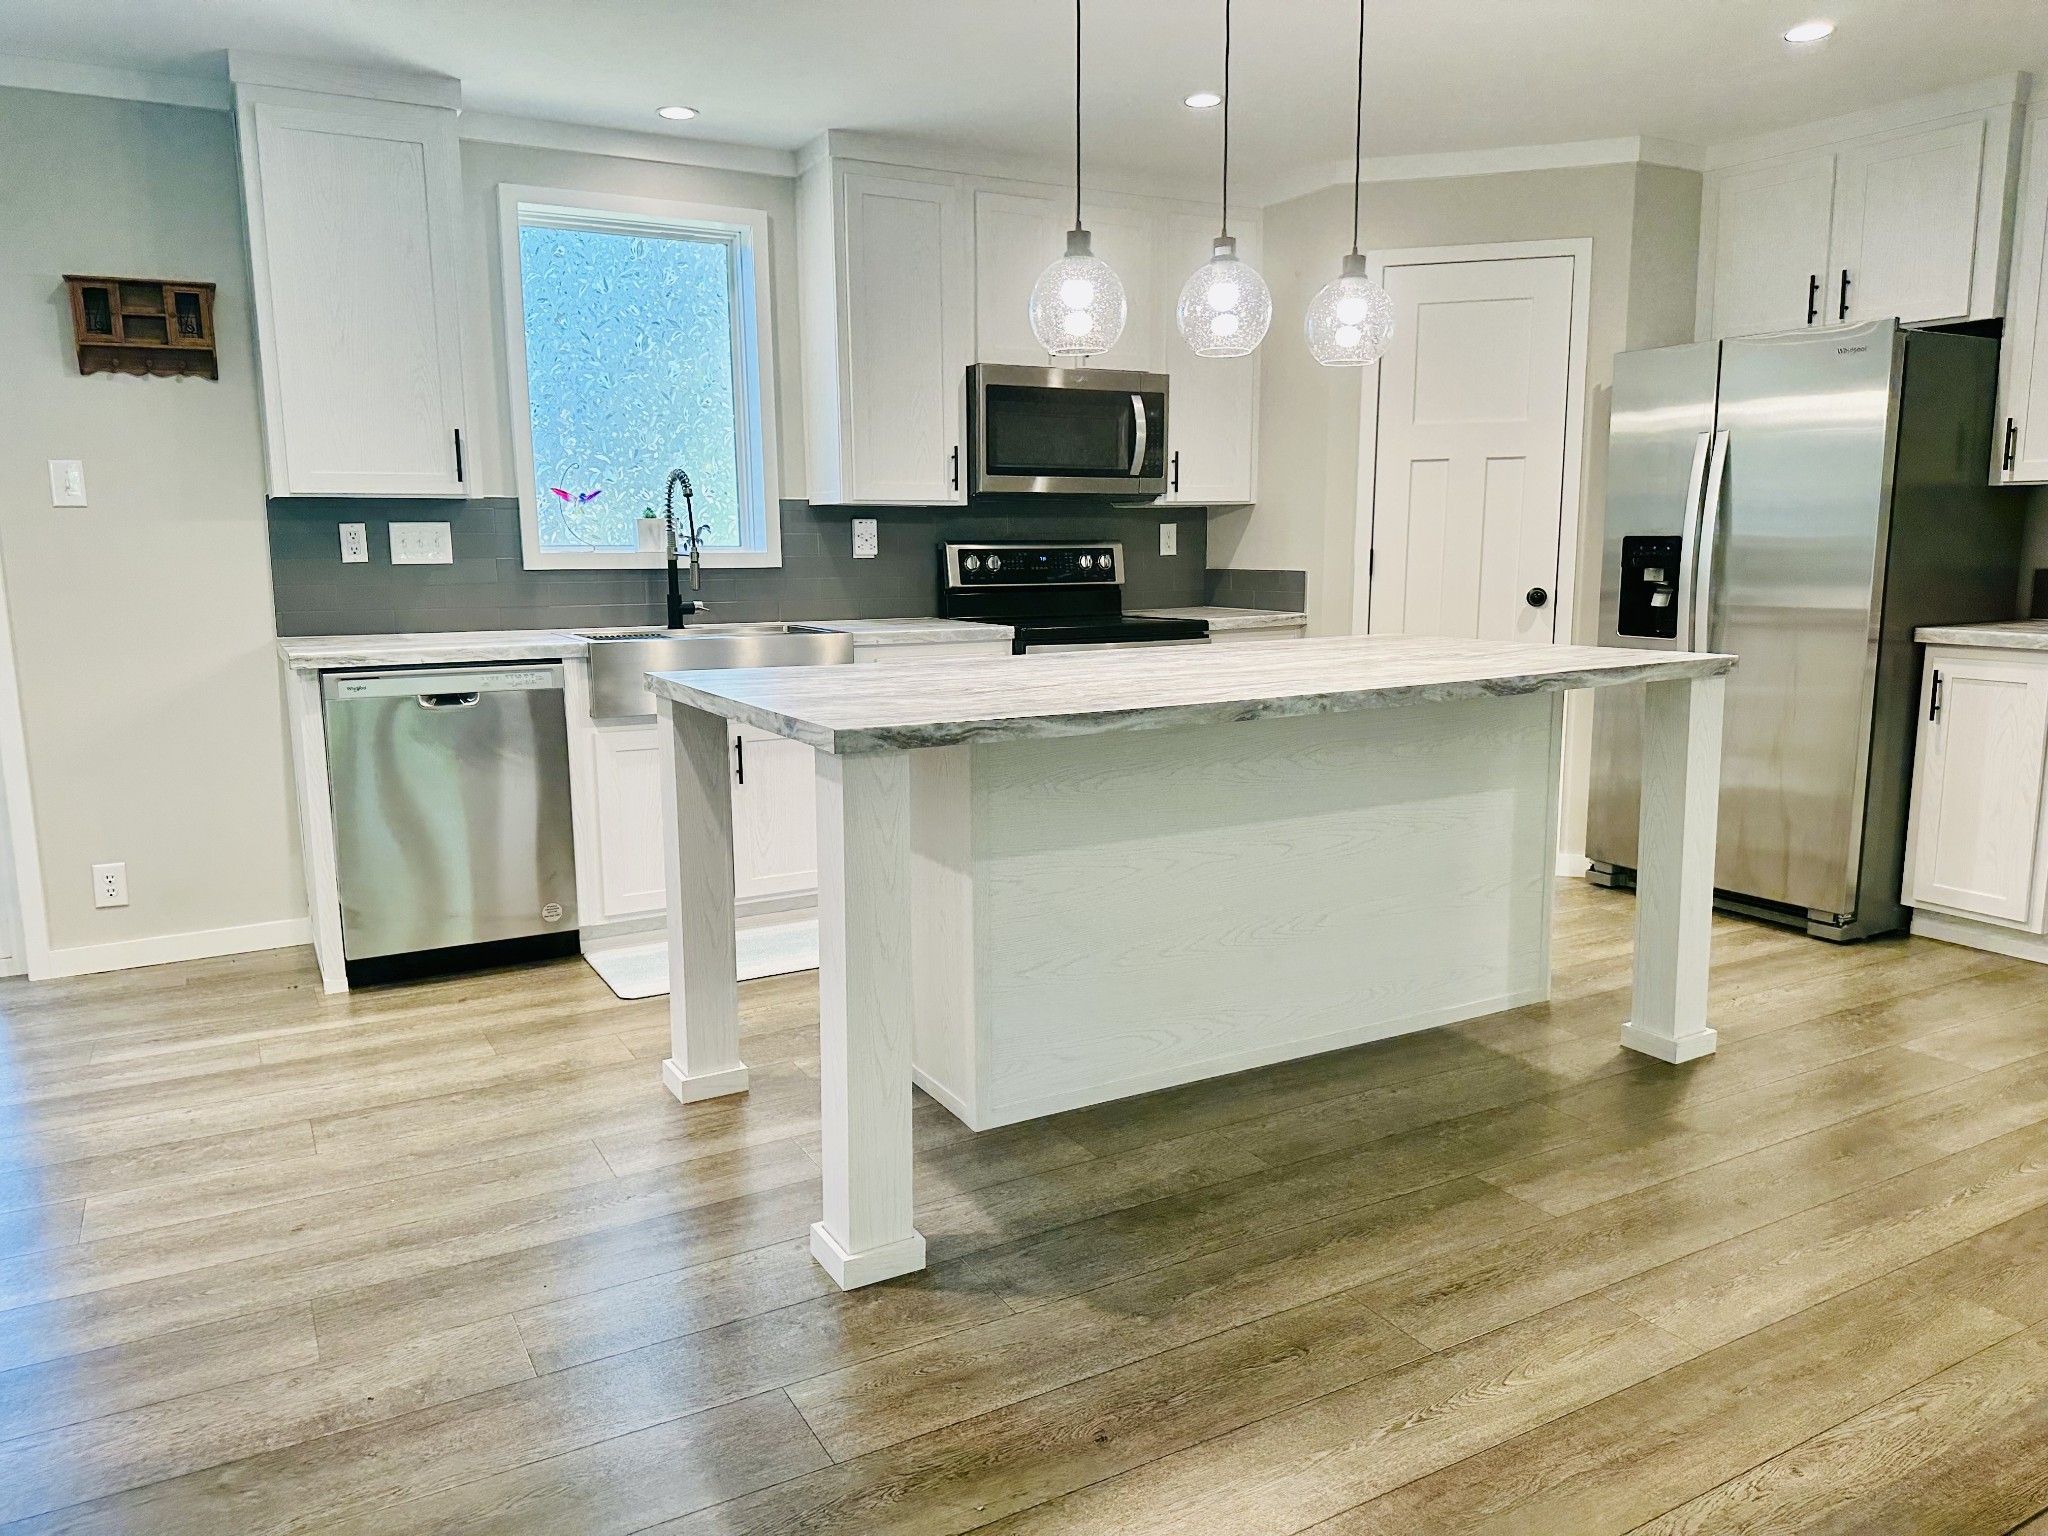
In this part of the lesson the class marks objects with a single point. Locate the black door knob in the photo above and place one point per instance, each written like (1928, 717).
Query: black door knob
(1538, 597)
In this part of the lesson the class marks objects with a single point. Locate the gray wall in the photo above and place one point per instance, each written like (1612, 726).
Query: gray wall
(487, 588)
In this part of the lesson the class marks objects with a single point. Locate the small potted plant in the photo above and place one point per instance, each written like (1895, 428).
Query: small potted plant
(653, 537)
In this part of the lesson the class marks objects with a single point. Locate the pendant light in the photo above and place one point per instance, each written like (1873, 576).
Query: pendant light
(1225, 306)
(1351, 321)
(1077, 304)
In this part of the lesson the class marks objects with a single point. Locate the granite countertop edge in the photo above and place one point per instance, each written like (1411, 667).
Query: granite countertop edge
(330, 653)
(856, 740)
(2006, 635)
(1230, 618)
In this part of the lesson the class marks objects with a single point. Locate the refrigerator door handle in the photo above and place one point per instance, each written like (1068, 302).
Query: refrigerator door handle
(1689, 535)
(1701, 614)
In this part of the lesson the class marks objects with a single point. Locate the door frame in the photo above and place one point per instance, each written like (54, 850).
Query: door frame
(1572, 481)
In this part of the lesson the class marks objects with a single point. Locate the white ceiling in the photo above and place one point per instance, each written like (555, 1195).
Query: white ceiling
(994, 75)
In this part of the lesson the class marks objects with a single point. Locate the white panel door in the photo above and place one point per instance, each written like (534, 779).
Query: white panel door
(630, 878)
(1977, 786)
(774, 816)
(2020, 450)
(1770, 245)
(354, 231)
(1468, 478)
(1015, 237)
(908, 319)
(1906, 227)
(1212, 408)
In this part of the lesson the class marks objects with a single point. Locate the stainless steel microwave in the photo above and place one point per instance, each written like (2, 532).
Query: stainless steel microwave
(1065, 431)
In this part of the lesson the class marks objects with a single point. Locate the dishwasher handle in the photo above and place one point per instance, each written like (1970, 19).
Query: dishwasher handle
(447, 700)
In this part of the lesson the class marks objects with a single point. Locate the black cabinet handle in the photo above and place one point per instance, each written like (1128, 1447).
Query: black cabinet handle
(1934, 699)
(458, 455)
(956, 466)
(1537, 597)
(1176, 471)
(1813, 298)
(2012, 442)
(1845, 295)
(739, 758)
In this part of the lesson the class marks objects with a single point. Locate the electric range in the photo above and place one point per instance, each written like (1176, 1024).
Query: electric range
(1066, 596)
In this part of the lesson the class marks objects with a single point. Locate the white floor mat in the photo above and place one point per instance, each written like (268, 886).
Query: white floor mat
(641, 970)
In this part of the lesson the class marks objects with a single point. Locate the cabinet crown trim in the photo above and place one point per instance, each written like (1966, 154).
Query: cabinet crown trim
(1916, 112)
(245, 68)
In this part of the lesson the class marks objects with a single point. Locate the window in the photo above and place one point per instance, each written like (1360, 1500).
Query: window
(634, 339)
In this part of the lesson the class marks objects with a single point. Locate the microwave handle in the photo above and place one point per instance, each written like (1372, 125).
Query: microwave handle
(1141, 439)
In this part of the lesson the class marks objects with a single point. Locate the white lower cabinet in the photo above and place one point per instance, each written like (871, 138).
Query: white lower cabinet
(774, 816)
(1976, 835)
(626, 780)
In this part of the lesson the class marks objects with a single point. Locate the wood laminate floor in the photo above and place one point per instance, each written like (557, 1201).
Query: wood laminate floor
(447, 1258)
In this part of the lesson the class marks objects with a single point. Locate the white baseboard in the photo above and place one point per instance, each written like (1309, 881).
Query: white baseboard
(2017, 943)
(1572, 866)
(163, 949)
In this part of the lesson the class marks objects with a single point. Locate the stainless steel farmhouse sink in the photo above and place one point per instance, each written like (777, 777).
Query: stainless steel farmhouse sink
(620, 659)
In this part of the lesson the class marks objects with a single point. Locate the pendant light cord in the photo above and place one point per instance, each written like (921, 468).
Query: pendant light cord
(1077, 114)
(1358, 132)
(1226, 118)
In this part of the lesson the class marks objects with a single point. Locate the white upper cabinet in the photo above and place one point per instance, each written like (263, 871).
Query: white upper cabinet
(1900, 213)
(1771, 245)
(2020, 446)
(887, 284)
(909, 276)
(1213, 406)
(353, 211)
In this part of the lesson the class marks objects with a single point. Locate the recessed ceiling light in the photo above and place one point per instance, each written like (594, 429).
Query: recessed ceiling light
(1201, 101)
(1809, 31)
(677, 114)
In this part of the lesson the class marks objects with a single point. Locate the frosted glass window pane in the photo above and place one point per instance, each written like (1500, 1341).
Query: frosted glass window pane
(629, 374)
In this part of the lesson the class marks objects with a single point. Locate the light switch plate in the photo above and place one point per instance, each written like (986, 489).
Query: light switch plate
(355, 543)
(1169, 538)
(421, 544)
(67, 482)
(867, 538)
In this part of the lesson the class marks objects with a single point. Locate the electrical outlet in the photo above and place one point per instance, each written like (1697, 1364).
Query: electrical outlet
(110, 885)
(867, 538)
(67, 482)
(1169, 538)
(421, 544)
(355, 543)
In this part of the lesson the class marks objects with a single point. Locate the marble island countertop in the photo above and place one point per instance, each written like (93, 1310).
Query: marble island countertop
(2010, 635)
(327, 653)
(1230, 618)
(880, 709)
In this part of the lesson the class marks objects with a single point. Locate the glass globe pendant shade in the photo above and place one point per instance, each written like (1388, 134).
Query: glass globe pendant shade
(1077, 305)
(1225, 307)
(1351, 321)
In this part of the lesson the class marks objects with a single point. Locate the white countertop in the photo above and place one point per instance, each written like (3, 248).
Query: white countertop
(1230, 618)
(2012, 635)
(327, 653)
(942, 703)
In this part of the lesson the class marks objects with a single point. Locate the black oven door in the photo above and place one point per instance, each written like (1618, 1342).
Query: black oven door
(1066, 431)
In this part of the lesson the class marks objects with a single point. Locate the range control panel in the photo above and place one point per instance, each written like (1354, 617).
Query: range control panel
(1034, 565)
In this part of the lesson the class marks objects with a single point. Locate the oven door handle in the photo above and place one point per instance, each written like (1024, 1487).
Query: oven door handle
(1141, 439)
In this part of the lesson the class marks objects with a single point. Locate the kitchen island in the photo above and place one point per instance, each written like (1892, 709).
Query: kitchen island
(1063, 879)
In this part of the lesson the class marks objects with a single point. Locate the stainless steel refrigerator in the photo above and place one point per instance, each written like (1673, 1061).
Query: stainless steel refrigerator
(1804, 502)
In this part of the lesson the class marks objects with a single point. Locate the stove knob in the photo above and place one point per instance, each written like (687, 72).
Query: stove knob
(1087, 562)
(972, 562)
(995, 563)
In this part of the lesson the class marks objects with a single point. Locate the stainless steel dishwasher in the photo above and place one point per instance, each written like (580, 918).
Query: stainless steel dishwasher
(452, 837)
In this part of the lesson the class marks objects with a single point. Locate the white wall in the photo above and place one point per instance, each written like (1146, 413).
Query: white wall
(485, 166)
(142, 626)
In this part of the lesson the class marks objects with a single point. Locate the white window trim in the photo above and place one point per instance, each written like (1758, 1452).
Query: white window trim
(755, 390)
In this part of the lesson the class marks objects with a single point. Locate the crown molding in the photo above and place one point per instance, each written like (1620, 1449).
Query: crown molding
(29, 74)
(626, 144)
(1980, 96)
(1485, 162)
(414, 89)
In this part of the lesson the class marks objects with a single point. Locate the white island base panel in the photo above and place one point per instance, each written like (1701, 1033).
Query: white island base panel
(1105, 916)
(1049, 884)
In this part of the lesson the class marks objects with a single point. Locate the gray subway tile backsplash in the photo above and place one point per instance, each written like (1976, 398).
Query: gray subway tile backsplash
(487, 587)
(1286, 591)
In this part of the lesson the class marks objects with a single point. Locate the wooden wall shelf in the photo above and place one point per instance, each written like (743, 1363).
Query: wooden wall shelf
(143, 325)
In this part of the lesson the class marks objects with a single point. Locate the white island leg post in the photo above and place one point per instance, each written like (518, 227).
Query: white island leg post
(864, 1015)
(703, 965)
(1681, 781)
